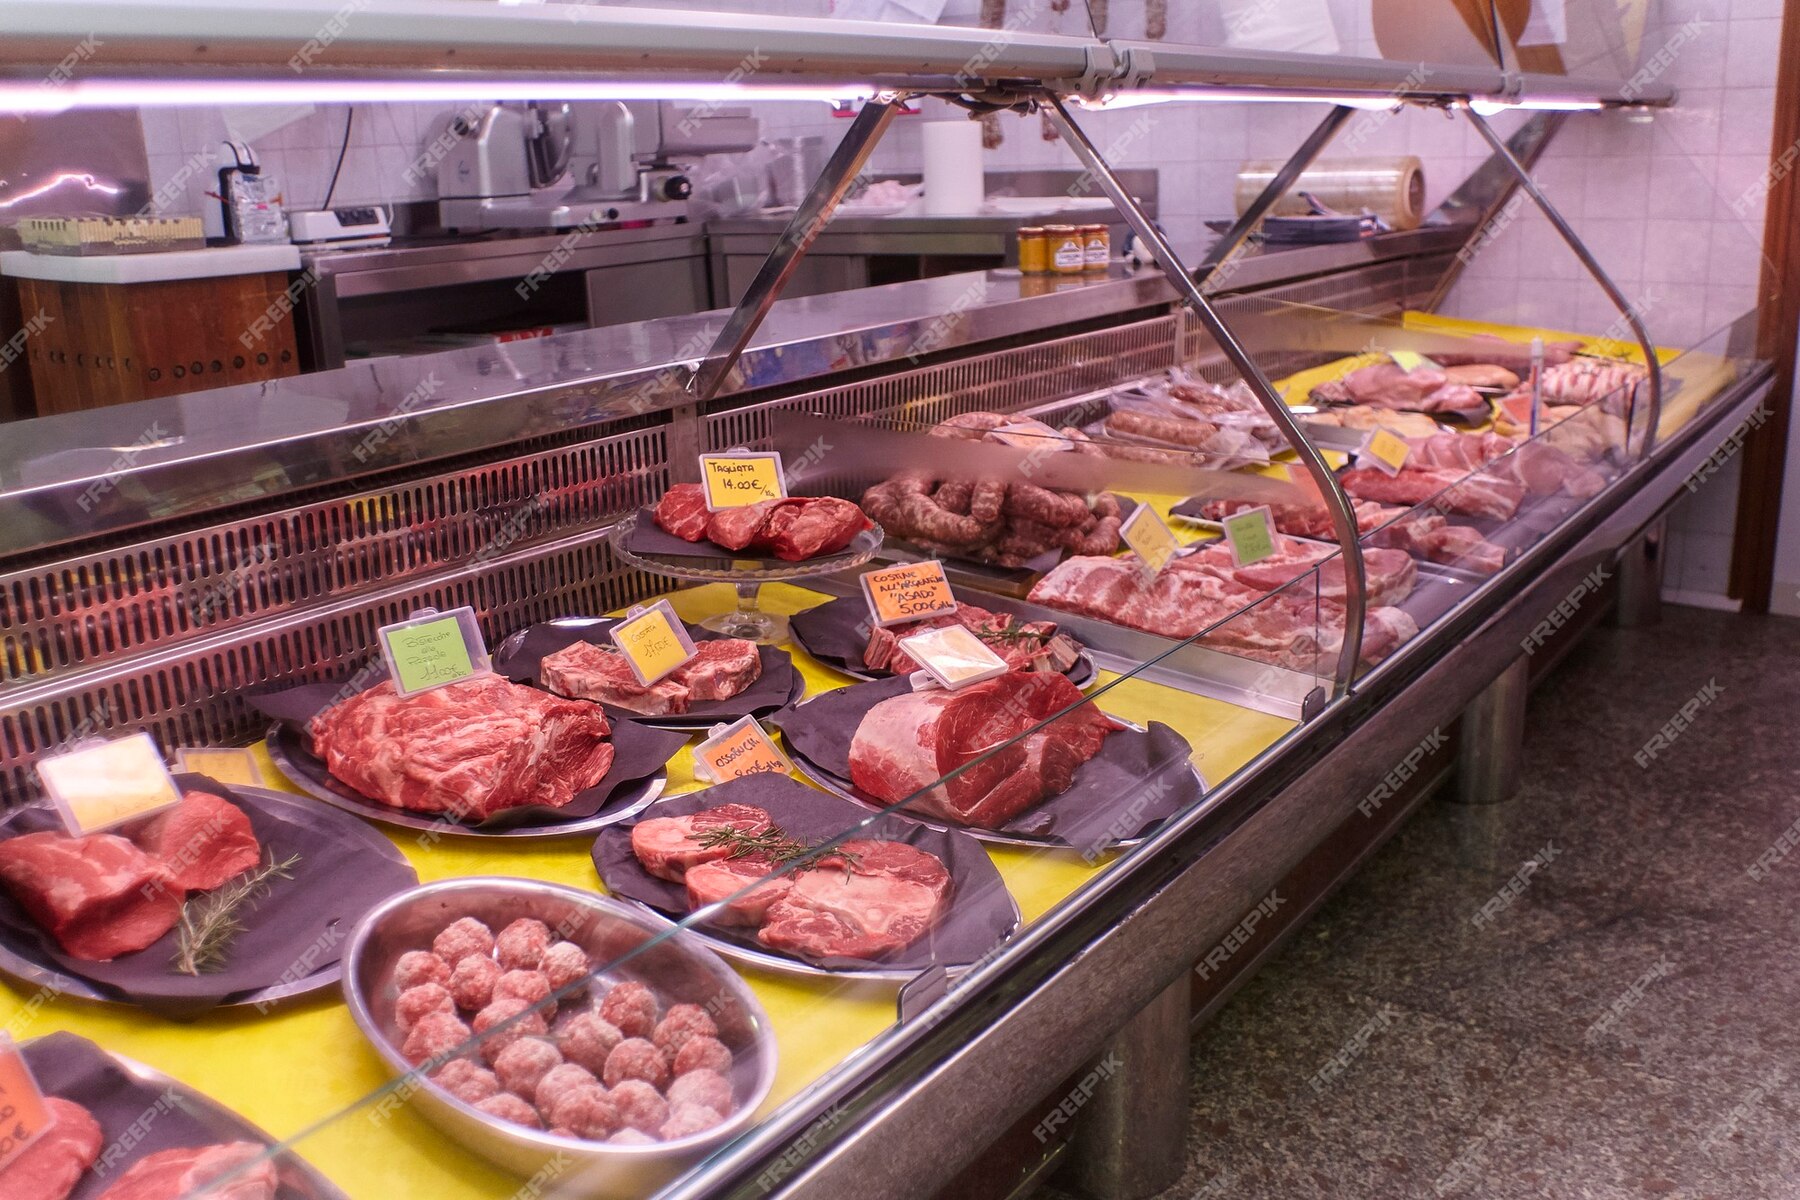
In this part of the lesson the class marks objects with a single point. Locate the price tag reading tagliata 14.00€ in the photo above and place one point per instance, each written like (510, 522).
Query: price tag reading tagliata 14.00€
(653, 641)
(738, 749)
(96, 787)
(953, 656)
(1150, 538)
(1251, 535)
(433, 649)
(741, 478)
(907, 592)
(24, 1116)
(1385, 450)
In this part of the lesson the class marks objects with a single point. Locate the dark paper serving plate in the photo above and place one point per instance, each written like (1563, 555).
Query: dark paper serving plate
(835, 634)
(143, 1109)
(779, 685)
(292, 941)
(982, 913)
(1141, 777)
(640, 535)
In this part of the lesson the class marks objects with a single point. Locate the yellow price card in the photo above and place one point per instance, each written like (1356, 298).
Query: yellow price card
(97, 787)
(653, 641)
(1385, 450)
(742, 478)
(1150, 538)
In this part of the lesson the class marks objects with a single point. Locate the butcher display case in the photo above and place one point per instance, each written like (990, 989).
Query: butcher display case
(1209, 561)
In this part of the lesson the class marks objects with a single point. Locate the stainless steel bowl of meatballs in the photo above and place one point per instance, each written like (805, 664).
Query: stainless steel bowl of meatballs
(542, 1026)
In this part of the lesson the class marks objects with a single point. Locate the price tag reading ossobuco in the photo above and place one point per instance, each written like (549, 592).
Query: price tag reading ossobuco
(736, 480)
(1386, 450)
(653, 641)
(738, 749)
(1251, 535)
(96, 787)
(433, 649)
(907, 592)
(24, 1116)
(1150, 538)
(953, 656)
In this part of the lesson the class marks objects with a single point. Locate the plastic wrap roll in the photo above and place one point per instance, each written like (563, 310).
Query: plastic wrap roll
(1391, 188)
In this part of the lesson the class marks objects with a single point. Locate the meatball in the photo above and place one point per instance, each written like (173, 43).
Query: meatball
(509, 1107)
(460, 939)
(420, 966)
(521, 945)
(588, 1039)
(706, 1087)
(632, 1007)
(529, 986)
(415, 1002)
(562, 1078)
(530, 1024)
(466, 1081)
(682, 1022)
(640, 1106)
(631, 1137)
(635, 1058)
(685, 1120)
(521, 1065)
(472, 982)
(435, 1035)
(703, 1054)
(588, 1111)
(563, 964)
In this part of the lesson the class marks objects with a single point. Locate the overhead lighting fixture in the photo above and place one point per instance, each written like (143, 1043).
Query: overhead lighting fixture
(1137, 97)
(1489, 108)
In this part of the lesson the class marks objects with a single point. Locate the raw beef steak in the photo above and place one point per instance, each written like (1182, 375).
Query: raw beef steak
(470, 749)
(185, 1174)
(50, 1167)
(203, 841)
(100, 896)
(806, 528)
(910, 742)
(711, 882)
(872, 899)
(682, 511)
(739, 528)
(719, 670)
(669, 846)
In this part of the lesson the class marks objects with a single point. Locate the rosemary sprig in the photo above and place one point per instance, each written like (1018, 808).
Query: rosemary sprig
(771, 842)
(210, 922)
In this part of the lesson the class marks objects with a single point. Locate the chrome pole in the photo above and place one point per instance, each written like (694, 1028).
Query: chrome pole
(1626, 309)
(802, 230)
(1302, 158)
(1343, 515)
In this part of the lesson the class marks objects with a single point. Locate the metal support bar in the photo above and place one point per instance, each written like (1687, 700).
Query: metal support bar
(1639, 601)
(1131, 1133)
(1480, 198)
(1302, 158)
(1568, 234)
(1343, 515)
(802, 230)
(1491, 738)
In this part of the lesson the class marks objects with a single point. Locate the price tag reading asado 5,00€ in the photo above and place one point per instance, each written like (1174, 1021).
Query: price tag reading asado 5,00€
(1251, 535)
(1385, 450)
(96, 787)
(653, 641)
(953, 656)
(433, 649)
(738, 749)
(741, 478)
(24, 1116)
(1150, 538)
(907, 592)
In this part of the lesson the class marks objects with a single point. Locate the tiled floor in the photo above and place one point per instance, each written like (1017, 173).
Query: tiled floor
(1489, 1067)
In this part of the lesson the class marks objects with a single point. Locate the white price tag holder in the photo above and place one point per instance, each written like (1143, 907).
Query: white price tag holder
(741, 748)
(654, 641)
(953, 657)
(24, 1114)
(431, 649)
(738, 478)
(103, 784)
(908, 592)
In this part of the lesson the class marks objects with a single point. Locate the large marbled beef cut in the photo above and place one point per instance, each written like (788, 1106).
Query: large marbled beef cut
(871, 899)
(719, 670)
(99, 896)
(203, 841)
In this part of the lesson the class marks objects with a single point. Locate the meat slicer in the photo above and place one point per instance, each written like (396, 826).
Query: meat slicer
(545, 165)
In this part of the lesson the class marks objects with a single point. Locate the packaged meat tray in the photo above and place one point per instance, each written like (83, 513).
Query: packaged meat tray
(1137, 777)
(775, 682)
(975, 914)
(634, 776)
(838, 634)
(148, 1134)
(340, 870)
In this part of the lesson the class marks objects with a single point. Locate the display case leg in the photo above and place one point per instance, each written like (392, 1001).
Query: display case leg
(1492, 737)
(1640, 580)
(1131, 1133)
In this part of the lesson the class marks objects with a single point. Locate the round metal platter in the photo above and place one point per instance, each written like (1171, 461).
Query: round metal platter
(17, 967)
(861, 549)
(285, 750)
(1082, 674)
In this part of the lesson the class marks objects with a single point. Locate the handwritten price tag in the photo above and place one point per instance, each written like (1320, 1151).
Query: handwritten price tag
(653, 641)
(953, 656)
(24, 1116)
(1251, 535)
(1386, 450)
(738, 749)
(908, 592)
(99, 786)
(1150, 538)
(433, 650)
(736, 480)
